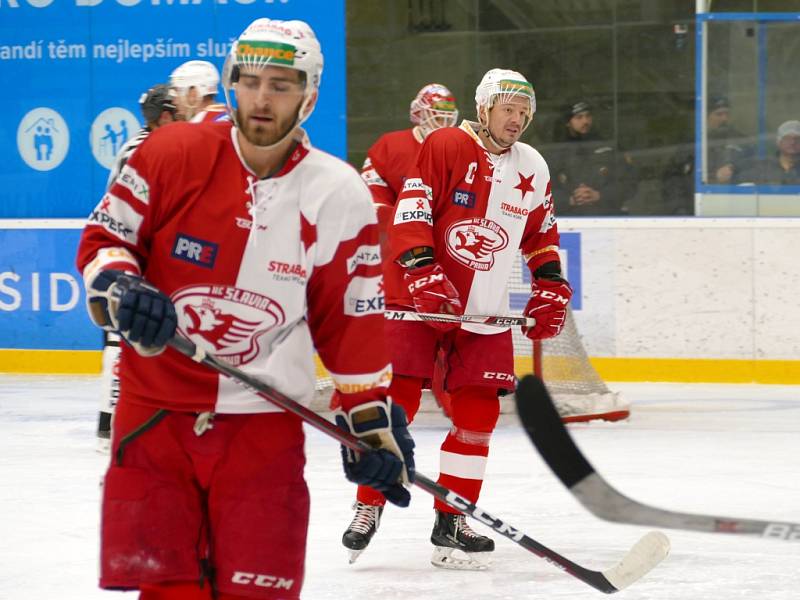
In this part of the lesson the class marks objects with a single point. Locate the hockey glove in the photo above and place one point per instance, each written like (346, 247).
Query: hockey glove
(141, 313)
(548, 305)
(381, 424)
(432, 292)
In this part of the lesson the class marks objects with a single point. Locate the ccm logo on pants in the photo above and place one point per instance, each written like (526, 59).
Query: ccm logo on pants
(265, 581)
(498, 376)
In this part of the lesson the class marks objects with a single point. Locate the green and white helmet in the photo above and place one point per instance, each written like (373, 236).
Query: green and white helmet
(274, 43)
(500, 85)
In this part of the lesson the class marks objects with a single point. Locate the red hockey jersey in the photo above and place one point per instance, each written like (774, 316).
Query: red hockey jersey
(389, 161)
(257, 269)
(476, 209)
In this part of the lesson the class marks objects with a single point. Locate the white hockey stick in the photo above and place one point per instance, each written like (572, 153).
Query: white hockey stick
(495, 321)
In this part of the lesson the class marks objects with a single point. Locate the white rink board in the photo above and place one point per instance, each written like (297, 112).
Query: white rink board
(689, 288)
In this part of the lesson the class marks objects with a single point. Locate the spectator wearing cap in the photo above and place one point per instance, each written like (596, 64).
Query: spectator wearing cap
(587, 176)
(783, 168)
(727, 147)
(727, 152)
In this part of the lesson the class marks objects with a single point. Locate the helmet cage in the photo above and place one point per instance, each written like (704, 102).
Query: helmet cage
(265, 43)
(434, 107)
(504, 91)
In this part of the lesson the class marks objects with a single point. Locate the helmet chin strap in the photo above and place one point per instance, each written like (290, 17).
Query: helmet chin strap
(487, 133)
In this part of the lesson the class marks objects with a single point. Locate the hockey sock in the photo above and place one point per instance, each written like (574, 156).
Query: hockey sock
(462, 461)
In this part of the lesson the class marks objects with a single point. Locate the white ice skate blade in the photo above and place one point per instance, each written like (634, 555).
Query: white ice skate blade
(474, 561)
(354, 554)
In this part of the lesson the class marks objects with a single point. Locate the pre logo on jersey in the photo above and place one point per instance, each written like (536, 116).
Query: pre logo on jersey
(411, 210)
(464, 198)
(364, 296)
(226, 320)
(195, 251)
(473, 242)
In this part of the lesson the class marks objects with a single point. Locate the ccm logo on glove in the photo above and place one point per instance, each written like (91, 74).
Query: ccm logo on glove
(551, 296)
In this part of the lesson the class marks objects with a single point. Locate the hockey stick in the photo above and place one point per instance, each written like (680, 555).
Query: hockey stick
(495, 321)
(645, 554)
(554, 443)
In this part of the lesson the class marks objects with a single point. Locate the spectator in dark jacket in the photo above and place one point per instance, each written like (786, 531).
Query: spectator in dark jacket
(588, 177)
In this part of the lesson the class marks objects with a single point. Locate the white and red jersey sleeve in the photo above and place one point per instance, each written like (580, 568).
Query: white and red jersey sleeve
(476, 210)
(345, 291)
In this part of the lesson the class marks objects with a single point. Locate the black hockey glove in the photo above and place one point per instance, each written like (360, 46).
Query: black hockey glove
(382, 424)
(141, 313)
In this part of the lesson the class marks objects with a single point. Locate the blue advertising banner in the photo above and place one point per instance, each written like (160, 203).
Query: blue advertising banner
(42, 302)
(78, 68)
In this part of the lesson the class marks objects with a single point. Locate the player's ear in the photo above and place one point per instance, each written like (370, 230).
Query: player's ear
(312, 101)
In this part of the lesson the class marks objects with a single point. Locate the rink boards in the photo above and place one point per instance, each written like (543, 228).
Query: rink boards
(669, 299)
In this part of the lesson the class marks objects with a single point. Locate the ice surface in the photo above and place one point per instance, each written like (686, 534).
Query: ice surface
(727, 450)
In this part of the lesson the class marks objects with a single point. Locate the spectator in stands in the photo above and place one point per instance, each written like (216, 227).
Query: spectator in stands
(783, 168)
(728, 148)
(588, 177)
(728, 151)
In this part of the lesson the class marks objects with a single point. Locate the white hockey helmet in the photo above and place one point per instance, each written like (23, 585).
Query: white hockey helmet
(198, 74)
(500, 85)
(433, 107)
(270, 42)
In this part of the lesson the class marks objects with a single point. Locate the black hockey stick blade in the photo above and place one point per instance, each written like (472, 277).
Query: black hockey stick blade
(558, 449)
(645, 554)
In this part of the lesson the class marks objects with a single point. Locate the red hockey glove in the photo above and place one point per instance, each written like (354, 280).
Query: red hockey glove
(432, 292)
(548, 305)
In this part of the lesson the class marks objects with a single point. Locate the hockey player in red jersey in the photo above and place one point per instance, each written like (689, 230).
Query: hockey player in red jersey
(474, 199)
(392, 156)
(195, 85)
(209, 231)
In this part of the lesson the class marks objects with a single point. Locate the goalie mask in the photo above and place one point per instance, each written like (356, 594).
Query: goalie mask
(274, 43)
(502, 86)
(433, 107)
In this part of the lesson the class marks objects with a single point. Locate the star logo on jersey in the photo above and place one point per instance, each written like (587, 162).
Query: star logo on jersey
(105, 203)
(226, 320)
(525, 184)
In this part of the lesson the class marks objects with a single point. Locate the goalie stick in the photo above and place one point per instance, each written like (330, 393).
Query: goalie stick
(557, 448)
(645, 554)
(495, 321)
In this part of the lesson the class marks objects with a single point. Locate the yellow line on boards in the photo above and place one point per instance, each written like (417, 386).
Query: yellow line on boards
(688, 370)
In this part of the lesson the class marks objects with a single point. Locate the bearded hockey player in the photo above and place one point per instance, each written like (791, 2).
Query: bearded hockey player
(205, 495)
(475, 198)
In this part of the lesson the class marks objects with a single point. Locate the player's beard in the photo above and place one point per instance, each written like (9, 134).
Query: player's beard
(265, 134)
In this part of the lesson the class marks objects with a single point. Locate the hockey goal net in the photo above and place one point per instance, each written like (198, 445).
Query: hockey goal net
(578, 391)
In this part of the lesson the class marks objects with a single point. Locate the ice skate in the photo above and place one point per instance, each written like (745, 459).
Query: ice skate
(452, 533)
(361, 529)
